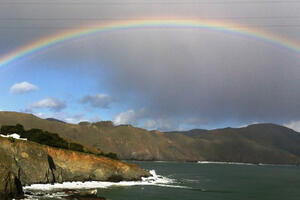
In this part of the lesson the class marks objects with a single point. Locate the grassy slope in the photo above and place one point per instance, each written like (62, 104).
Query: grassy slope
(265, 143)
(127, 141)
(30, 121)
(261, 143)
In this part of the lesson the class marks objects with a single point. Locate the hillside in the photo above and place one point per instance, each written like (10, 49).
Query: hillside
(260, 143)
(125, 140)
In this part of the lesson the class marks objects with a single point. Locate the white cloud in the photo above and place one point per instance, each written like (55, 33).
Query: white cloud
(72, 118)
(127, 117)
(50, 103)
(245, 125)
(75, 118)
(80, 117)
(22, 88)
(150, 124)
(162, 124)
(63, 116)
(98, 100)
(295, 125)
(142, 119)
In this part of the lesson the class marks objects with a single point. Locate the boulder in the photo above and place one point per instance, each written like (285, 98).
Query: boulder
(83, 195)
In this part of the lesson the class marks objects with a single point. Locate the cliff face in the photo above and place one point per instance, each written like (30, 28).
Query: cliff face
(10, 185)
(29, 163)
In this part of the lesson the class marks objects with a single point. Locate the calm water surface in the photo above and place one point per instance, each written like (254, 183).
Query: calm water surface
(214, 182)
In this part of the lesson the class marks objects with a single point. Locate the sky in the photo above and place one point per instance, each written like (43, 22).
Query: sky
(165, 78)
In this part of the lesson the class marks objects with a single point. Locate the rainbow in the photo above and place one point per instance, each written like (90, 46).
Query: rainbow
(53, 40)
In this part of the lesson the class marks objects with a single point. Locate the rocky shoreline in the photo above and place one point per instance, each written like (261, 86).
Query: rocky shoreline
(25, 163)
(65, 194)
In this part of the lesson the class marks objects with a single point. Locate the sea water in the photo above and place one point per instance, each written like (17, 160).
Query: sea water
(195, 181)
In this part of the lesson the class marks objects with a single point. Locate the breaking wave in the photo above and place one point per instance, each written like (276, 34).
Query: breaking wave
(154, 180)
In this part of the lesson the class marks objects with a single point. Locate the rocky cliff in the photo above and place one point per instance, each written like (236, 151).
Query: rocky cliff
(25, 163)
(10, 185)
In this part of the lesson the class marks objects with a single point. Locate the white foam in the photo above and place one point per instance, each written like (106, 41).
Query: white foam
(37, 196)
(14, 135)
(155, 180)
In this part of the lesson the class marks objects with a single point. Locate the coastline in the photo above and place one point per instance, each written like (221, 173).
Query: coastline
(154, 179)
(181, 179)
(241, 163)
(67, 189)
(211, 162)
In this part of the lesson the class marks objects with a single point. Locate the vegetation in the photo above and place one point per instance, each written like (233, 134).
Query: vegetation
(49, 139)
(8, 130)
(76, 147)
(111, 155)
(41, 137)
(46, 138)
(104, 124)
(12, 140)
(84, 123)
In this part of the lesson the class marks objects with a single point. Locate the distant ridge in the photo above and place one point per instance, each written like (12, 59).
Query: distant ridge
(55, 120)
(192, 132)
(257, 143)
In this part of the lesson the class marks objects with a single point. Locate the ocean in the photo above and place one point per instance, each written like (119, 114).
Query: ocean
(195, 181)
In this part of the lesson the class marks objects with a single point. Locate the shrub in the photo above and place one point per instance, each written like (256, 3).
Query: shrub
(76, 147)
(46, 138)
(37, 135)
(8, 130)
(11, 139)
(111, 155)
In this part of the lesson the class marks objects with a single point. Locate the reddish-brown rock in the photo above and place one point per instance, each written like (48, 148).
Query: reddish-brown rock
(30, 163)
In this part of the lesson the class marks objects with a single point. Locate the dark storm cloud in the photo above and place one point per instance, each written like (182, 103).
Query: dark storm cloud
(218, 78)
(207, 76)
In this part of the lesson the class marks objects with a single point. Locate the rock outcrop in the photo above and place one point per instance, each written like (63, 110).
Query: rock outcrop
(26, 163)
(83, 195)
(10, 185)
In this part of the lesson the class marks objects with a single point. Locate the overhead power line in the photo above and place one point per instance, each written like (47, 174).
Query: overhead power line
(131, 18)
(147, 3)
(69, 27)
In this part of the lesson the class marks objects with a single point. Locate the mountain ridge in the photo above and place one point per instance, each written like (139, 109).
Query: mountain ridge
(258, 143)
